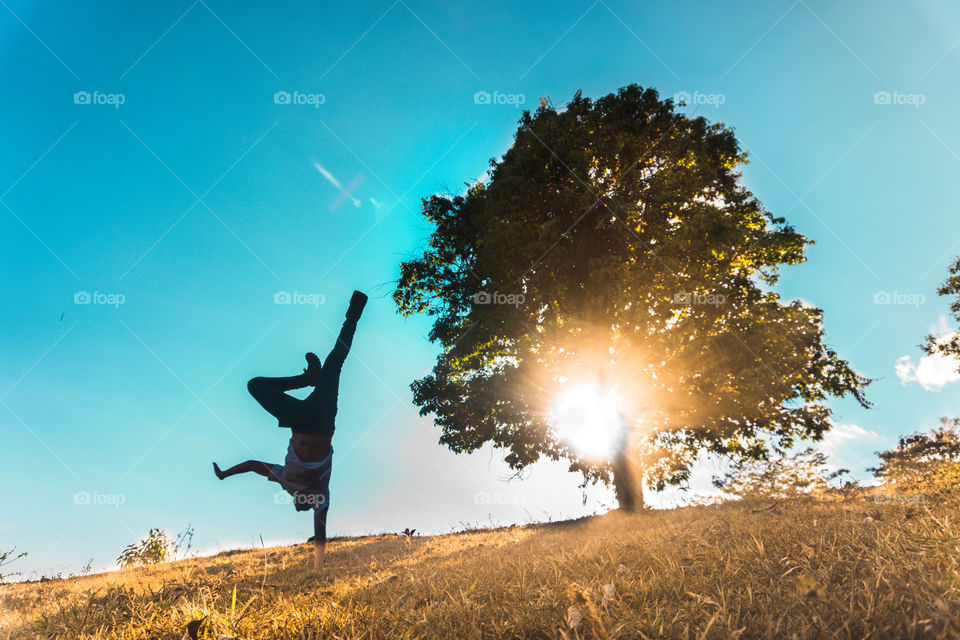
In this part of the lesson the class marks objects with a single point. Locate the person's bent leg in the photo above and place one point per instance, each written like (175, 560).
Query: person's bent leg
(272, 396)
(264, 469)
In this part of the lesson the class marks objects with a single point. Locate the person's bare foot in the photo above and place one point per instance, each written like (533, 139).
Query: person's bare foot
(217, 471)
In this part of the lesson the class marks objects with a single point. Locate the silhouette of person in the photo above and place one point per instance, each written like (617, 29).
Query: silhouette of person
(305, 473)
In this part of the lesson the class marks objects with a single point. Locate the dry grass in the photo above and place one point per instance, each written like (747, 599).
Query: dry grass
(806, 569)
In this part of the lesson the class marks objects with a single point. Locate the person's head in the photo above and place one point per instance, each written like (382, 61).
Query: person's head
(302, 502)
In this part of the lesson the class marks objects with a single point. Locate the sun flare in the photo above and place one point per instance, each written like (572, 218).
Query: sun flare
(587, 417)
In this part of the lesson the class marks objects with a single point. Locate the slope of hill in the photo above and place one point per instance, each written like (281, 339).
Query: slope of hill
(804, 569)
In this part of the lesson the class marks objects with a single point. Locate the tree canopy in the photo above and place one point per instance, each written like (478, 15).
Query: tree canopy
(923, 460)
(948, 345)
(615, 243)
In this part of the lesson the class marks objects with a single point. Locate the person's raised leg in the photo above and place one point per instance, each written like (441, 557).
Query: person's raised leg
(264, 469)
(328, 378)
(340, 350)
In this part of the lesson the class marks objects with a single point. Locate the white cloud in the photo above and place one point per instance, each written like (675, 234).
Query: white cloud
(850, 446)
(932, 372)
(842, 435)
(942, 327)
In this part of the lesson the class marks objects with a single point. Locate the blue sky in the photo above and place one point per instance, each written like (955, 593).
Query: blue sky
(183, 163)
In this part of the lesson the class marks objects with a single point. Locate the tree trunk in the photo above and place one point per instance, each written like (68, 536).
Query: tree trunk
(627, 476)
(627, 484)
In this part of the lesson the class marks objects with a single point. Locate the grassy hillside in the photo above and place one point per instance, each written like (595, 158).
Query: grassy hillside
(805, 569)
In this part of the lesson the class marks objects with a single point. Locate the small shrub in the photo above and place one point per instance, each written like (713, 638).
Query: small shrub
(154, 548)
(157, 547)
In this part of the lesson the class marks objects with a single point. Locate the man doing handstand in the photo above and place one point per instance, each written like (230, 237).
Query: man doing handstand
(305, 473)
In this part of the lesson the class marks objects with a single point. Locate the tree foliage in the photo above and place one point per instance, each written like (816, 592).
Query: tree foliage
(801, 474)
(923, 462)
(948, 345)
(615, 241)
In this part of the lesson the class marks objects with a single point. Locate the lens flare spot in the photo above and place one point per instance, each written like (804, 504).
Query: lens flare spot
(587, 418)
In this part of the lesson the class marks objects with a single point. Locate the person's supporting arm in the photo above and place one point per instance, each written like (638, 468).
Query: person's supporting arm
(340, 350)
(319, 537)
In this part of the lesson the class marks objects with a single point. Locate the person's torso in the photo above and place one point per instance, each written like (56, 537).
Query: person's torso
(310, 446)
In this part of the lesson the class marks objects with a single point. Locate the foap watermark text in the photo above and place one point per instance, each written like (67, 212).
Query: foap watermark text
(97, 498)
(98, 297)
(495, 297)
(299, 98)
(898, 98)
(693, 298)
(97, 98)
(897, 297)
(485, 497)
(514, 100)
(683, 98)
(299, 297)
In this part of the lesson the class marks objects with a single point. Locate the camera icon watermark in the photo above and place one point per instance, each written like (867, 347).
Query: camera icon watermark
(86, 498)
(510, 99)
(296, 97)
(495, 297)
(898, 98)
(111, 299)
(684, 98)
(297, 297)
(95, 97)
(909, 299)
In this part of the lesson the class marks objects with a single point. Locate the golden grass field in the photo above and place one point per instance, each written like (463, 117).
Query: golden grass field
(800, 569)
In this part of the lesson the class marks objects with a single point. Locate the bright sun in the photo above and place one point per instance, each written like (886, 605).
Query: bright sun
(588, 419)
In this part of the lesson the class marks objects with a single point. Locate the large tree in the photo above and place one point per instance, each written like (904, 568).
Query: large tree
(615, 244)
